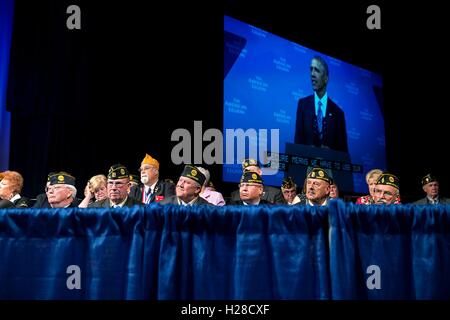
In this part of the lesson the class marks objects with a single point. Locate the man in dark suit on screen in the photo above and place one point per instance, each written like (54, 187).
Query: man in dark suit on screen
(320, 122)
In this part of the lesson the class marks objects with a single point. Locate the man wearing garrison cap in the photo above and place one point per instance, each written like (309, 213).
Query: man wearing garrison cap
(250, 190)
(135, 180)
(430, 186)
(153, 188)
(270, 194)
(317, 188)
(117, 189)
(289, 191)
(41, 199)
(61, 191)
(387, 189)
(188, 188)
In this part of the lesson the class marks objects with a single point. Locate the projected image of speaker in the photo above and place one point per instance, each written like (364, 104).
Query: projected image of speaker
(328, 112)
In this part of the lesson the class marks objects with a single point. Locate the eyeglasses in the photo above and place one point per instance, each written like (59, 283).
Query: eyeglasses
(244, 185)
(381, 193)
(53, 189)
(314, 183)
(118, 184)
(145, 168)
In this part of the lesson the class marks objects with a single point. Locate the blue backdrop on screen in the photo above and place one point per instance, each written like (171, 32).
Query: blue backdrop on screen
(267, 75)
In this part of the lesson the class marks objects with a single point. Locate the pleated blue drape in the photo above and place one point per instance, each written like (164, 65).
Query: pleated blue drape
(409, 244)
(168, 252)
(342, 251)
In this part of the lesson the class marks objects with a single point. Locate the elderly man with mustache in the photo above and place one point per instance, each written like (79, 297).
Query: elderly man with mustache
(317, 188)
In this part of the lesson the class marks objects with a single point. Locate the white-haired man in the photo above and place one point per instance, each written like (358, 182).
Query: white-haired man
(188, 188)
(61, 192)
(152, 189)
(430, 186)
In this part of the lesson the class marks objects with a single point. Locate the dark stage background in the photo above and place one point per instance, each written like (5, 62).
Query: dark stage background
(82, 100)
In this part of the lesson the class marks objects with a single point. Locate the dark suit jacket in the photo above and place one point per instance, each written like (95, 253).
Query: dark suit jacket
(41, 201)
(22, 203)
(174, 200)
(74, 203)
(426, 201)
(240, 202)
(333, 128)
(162, 188)
(6, 204)
(271, 195)
(105, 203)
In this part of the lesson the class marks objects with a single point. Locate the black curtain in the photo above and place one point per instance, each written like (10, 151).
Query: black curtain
(82, 100)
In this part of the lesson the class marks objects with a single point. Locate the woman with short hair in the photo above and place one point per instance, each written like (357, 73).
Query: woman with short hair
(10, 188)
(95, 190)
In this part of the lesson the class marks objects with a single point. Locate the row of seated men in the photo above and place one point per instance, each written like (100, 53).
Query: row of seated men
(120, 189)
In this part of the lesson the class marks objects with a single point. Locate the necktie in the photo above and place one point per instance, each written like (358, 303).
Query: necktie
(148, 195)
(319, 119)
